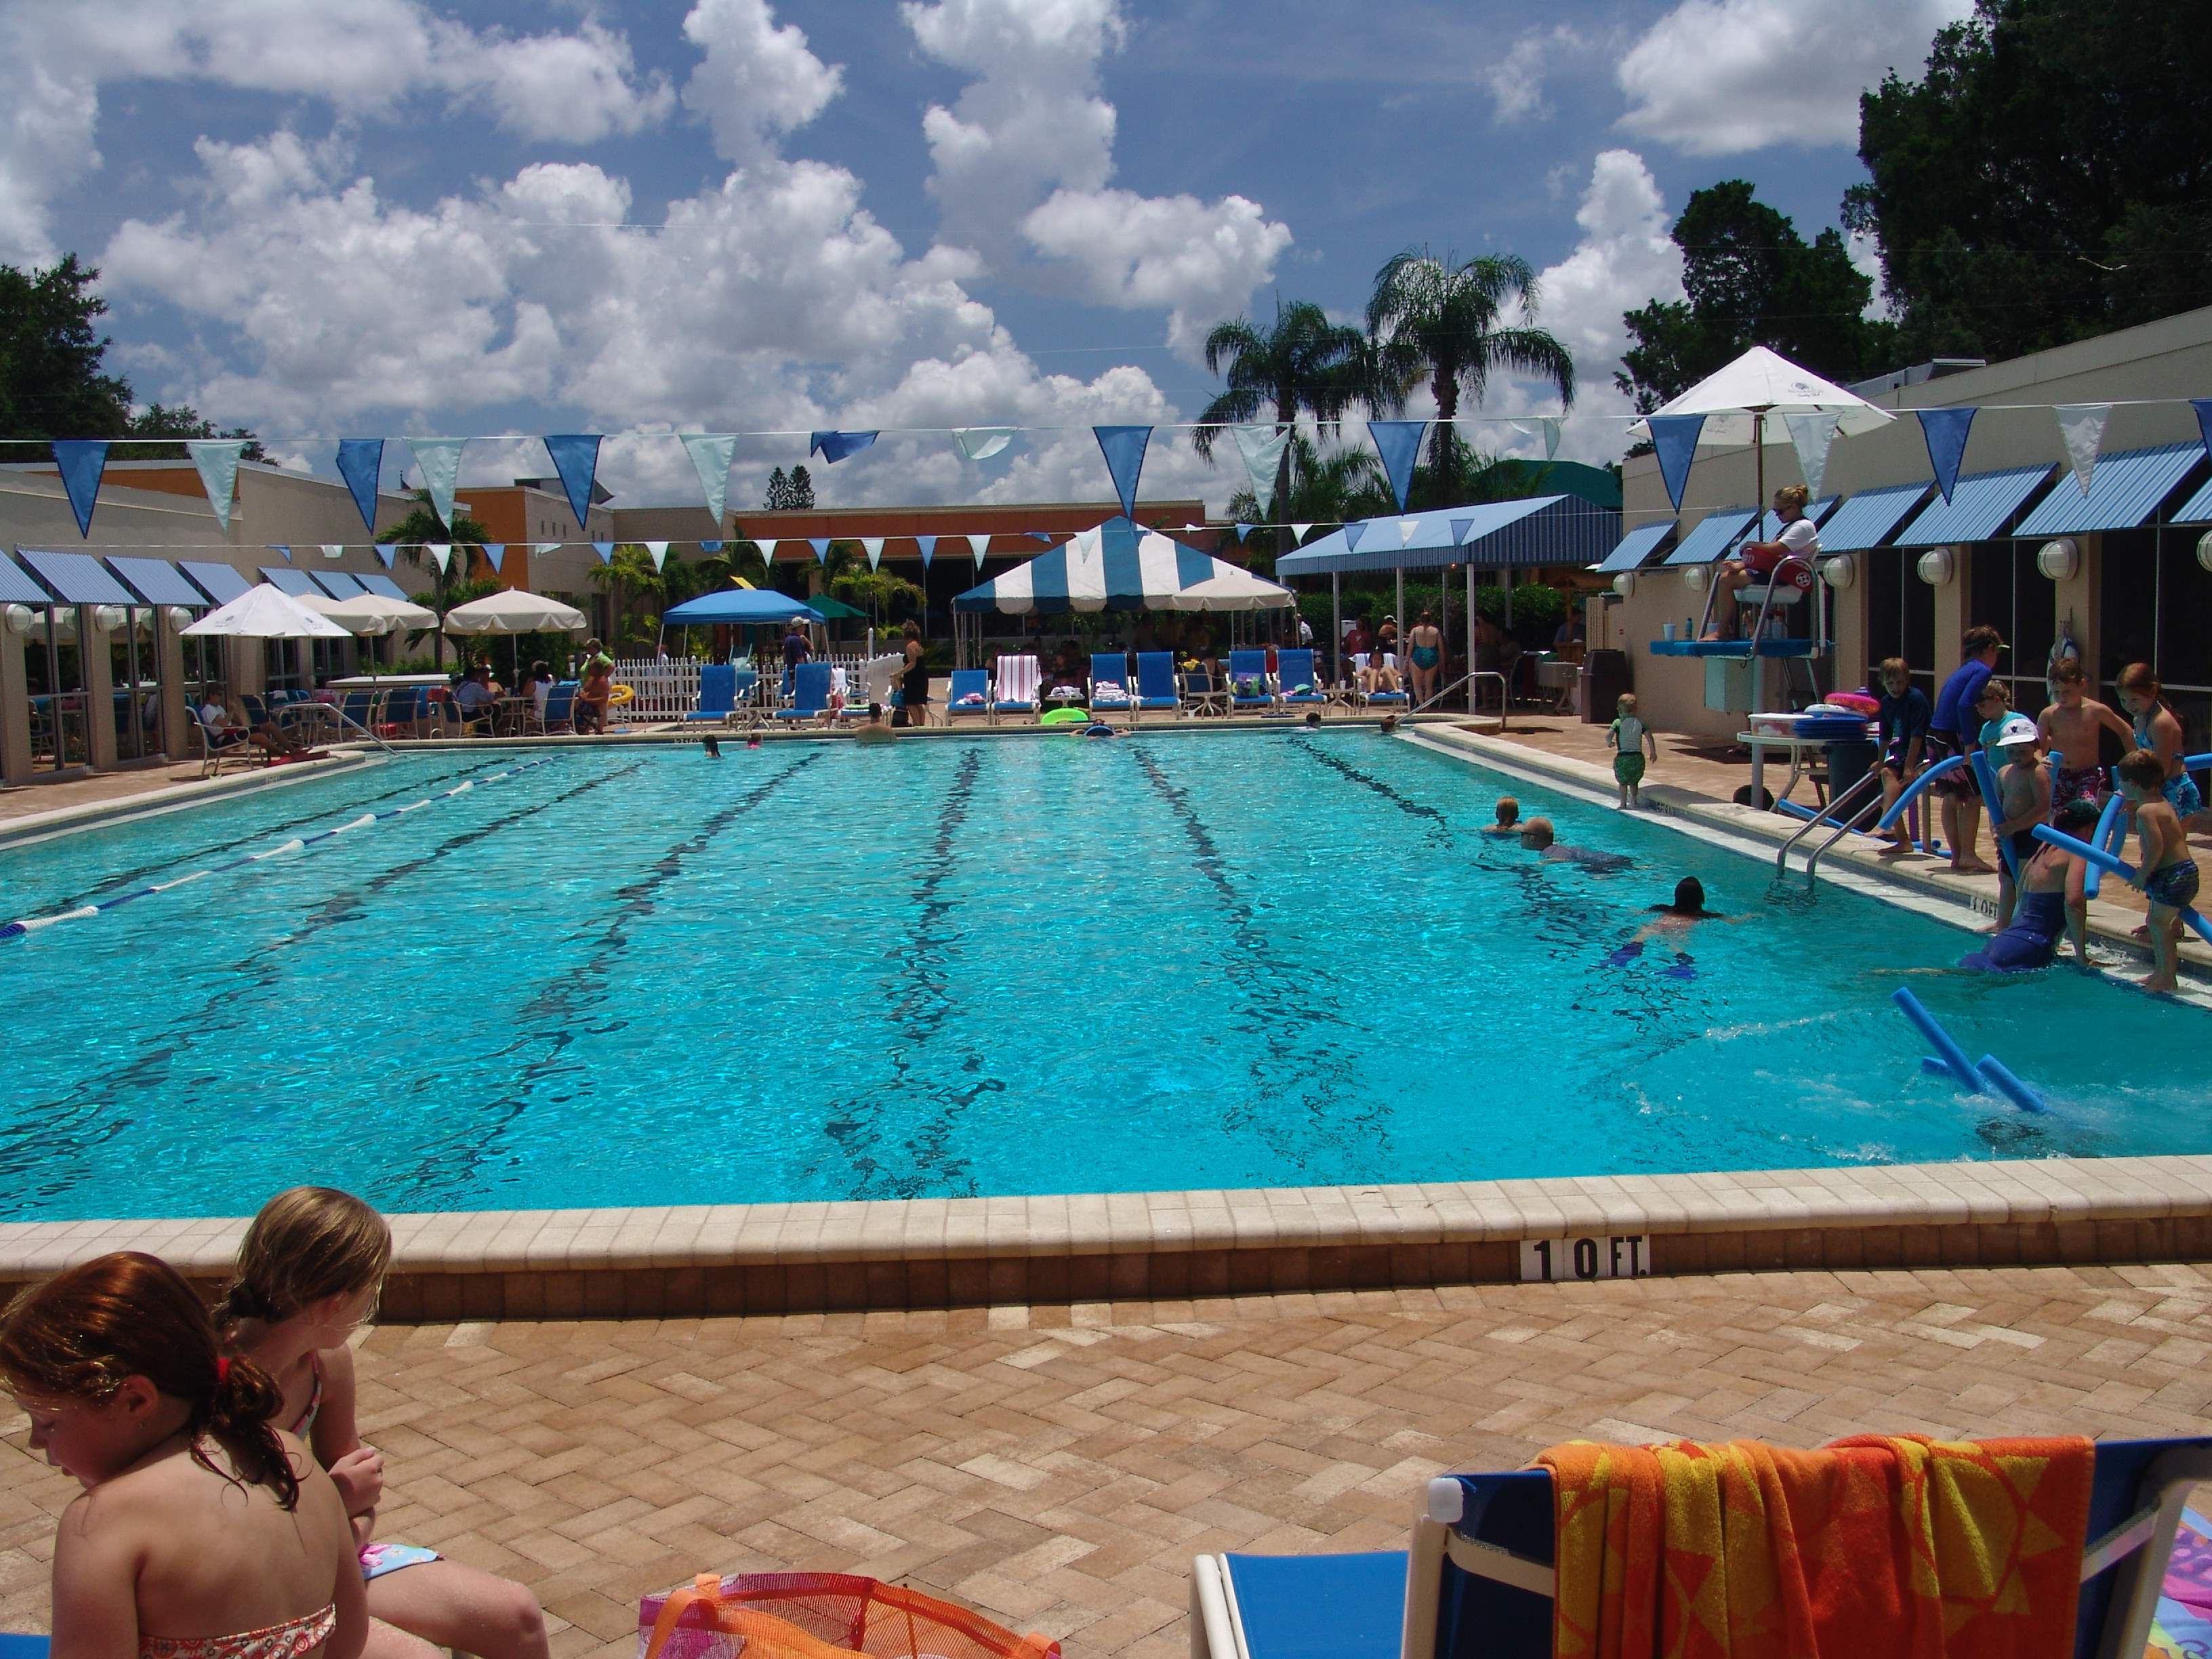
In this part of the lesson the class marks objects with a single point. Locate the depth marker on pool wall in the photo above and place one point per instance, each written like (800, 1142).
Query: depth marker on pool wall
(296, 844)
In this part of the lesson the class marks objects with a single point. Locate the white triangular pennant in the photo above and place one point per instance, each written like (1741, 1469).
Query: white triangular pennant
(873, 547)
(1262, 447)
(980, 443)
(1408, 528)
(333, 550)
(539, 550)
(976, 544)
(441, 554)
(659, 551)
(217, 460)
(1811, 436)
(441, 461)
(710, 453)
(2082, 427)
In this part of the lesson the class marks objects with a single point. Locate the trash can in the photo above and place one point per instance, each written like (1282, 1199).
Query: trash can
(1604, 677)
(1850, 759)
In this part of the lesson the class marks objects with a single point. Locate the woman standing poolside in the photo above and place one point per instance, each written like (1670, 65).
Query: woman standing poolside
(1426, 644)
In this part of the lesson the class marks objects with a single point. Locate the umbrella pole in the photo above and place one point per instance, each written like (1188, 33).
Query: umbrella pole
(1335, 626)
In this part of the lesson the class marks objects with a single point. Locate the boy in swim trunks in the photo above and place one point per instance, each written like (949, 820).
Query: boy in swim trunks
(1902, 730)
(2166, 873)
(2024, 797)
(2069, 729)
(1509, 819)
(1630, 738)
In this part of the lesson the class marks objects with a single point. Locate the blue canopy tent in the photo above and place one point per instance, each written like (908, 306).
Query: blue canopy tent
(1500, 536)
(740, 606)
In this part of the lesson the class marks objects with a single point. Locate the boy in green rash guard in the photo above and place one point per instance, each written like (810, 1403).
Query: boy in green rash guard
(1631, 739)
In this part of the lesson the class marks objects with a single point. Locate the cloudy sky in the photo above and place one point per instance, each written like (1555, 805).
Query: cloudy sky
(440, 216)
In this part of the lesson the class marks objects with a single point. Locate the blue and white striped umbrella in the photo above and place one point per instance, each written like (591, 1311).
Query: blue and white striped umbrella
(1122, 566)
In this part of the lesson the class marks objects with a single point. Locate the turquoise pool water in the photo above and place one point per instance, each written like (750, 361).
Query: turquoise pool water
(618, 977)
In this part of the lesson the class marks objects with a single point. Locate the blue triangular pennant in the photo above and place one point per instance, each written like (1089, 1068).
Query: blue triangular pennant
(710, 547)
(360, 461)
(835, 446)
(1945, 429)
(82, 461)
(1398, 443)
(821, 546)
(1124, 447)
(2204, 408)
(605, 550)
(493, 552)
(576, 458)
(1674, 438)
(1353, 533)
(387, 551)
(928, 546)
(1459, 529)
(1242, 531)
(1044, 536)
(278, 547)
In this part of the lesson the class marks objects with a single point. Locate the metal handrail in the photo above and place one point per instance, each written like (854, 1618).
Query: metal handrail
(1836, 803)
(1504, 693)
(337, 711)
(1842, 827)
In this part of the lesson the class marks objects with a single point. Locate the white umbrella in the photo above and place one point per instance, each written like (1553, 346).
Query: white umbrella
(510, 610)
(265, 613)
(1736, 400)
(375, 613)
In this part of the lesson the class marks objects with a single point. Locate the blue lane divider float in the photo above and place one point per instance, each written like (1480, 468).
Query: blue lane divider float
(297, 843)
(2098, 857)
(1949, 1060)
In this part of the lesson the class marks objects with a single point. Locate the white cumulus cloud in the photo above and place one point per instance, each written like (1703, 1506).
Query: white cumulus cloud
(1716, 77)
(1516, 79)
(758, 79)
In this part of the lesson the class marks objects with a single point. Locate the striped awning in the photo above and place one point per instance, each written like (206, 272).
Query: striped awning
(2124, 489)
(157, 581)
(1542, 529)
(1866, 519)
(77, 578)
(378, 583)
(297, 583)
(1715, 534)
(1636, 547)
(16, 589)
(338, 584)
(1979, 507)
(1121, 566)
(223, 582)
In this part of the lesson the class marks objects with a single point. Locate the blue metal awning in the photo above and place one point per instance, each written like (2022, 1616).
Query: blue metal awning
(1866, 519)
(223, 581)
(338, 584)
(297, 583)
(16, 589)
(1713, 537)
(77, 578)
(2197, 509)
(2124, 489)
(1979, 507)
(377, 582)
(157, 581)
(1543, 530)
(1637, 546)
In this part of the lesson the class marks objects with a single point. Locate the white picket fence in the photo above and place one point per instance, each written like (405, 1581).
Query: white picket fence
(667, 688)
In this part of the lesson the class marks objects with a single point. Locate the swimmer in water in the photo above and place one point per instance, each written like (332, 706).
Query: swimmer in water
(1313, 719)
(1509, 819)
(713, 745)
(1537, 836)
(1672, 921)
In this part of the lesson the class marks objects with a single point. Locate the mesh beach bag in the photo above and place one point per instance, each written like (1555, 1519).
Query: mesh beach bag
(818, 1615)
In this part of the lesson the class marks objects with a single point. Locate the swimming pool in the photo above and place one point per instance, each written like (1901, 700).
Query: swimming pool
(637, 976)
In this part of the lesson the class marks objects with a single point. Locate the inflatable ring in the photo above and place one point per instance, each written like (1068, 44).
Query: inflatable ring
(621, 694)
(1064, 717)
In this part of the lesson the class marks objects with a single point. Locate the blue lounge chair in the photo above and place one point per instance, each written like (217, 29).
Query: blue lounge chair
(967, 683)
(561, 707)
(1111, 670)
(1478, 1578)
(1156, 683)
(809, 693)
(718, 693)
(1249, 669)
(1294, 669)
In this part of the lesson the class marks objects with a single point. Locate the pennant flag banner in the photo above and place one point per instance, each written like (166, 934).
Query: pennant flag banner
(873, 547)
(333, 550)
(539, 549)
(2204, 408)
(1811, 436)
(1354, 534)
(658, 551)
(711, 455)
(710, 547)
(1124, 447)
(2082, 427)
(1459, 529)
(494, 555)
(835, 446)
(821, 546)
(605, 550)
(1242, 531)
(441, 461)
(82, 461)
(575, 457)
(1262, 447)
(441, 554)
(387, 551)
(1945, 431)
(361, 461)
(1298, 531)
(980, 443)
(1675, 440)
(928, 546)
(1398, 443)
(217, 460)
(286, 551)
(1044, 536)
(977, 544)
(1408, 528)
(1549, 427)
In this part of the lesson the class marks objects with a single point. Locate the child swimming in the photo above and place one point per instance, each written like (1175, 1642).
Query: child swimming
(1509, 819)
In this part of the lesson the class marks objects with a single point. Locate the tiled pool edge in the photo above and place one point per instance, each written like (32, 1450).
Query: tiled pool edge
(720, 1260)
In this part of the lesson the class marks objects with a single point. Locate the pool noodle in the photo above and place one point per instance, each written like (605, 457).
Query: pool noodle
(1953, 1057)
(1985, 775)
(2103, 836)
(2097, 856)
(2010, 1087)
(1912, 791)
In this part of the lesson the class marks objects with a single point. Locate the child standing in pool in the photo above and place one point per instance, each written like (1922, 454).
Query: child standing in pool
(2166, 872)
(1631, 739)
(2024, 797)
(308, 1273)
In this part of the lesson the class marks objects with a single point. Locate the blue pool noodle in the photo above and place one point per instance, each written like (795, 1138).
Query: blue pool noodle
(2001, 1080)
(1953, 1058)
(1913, 790)
(2104, 837)
(2098, 857)
(1985, 774)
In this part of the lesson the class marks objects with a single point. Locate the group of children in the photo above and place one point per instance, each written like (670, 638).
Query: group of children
(229, 1505)
(2041, 888)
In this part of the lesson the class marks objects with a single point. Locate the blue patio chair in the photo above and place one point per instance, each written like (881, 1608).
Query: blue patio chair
(968, 683)
(561, 706)
(359, 708)
(718, 693)
(1249, 685)
(1294, 669)
(1479, 1579)
(809, 693)
(405, 710)
(1377, 699)
(14, 1645)
(1109, 682)
(1156, 683)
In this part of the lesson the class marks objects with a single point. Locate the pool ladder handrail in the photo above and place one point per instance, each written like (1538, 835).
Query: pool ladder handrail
(337, 712)
(1845, 803)
(1505, 694)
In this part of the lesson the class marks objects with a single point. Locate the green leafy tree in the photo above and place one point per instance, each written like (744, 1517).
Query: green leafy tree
(778, 499)
(2048, 178)
(52, 383)
(1750, 279)
(1300, 363)
(159, 421)
(1447, 322)
(634, 585)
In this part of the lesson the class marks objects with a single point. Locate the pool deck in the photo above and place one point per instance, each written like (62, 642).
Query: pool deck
(1057, 1467)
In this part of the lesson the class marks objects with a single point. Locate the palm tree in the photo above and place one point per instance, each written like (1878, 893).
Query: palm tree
(1303, 362)
(415, 535)
(1331, 488)
(630, 576)
(1430, 316)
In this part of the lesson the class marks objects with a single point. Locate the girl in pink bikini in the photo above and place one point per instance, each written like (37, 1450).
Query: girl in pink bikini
(308, 1274)
(202, 1533)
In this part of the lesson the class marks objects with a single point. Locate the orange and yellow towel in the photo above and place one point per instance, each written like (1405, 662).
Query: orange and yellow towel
(1874, 1547)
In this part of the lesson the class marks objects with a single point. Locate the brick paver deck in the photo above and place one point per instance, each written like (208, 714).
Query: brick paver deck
(1058, 1467)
